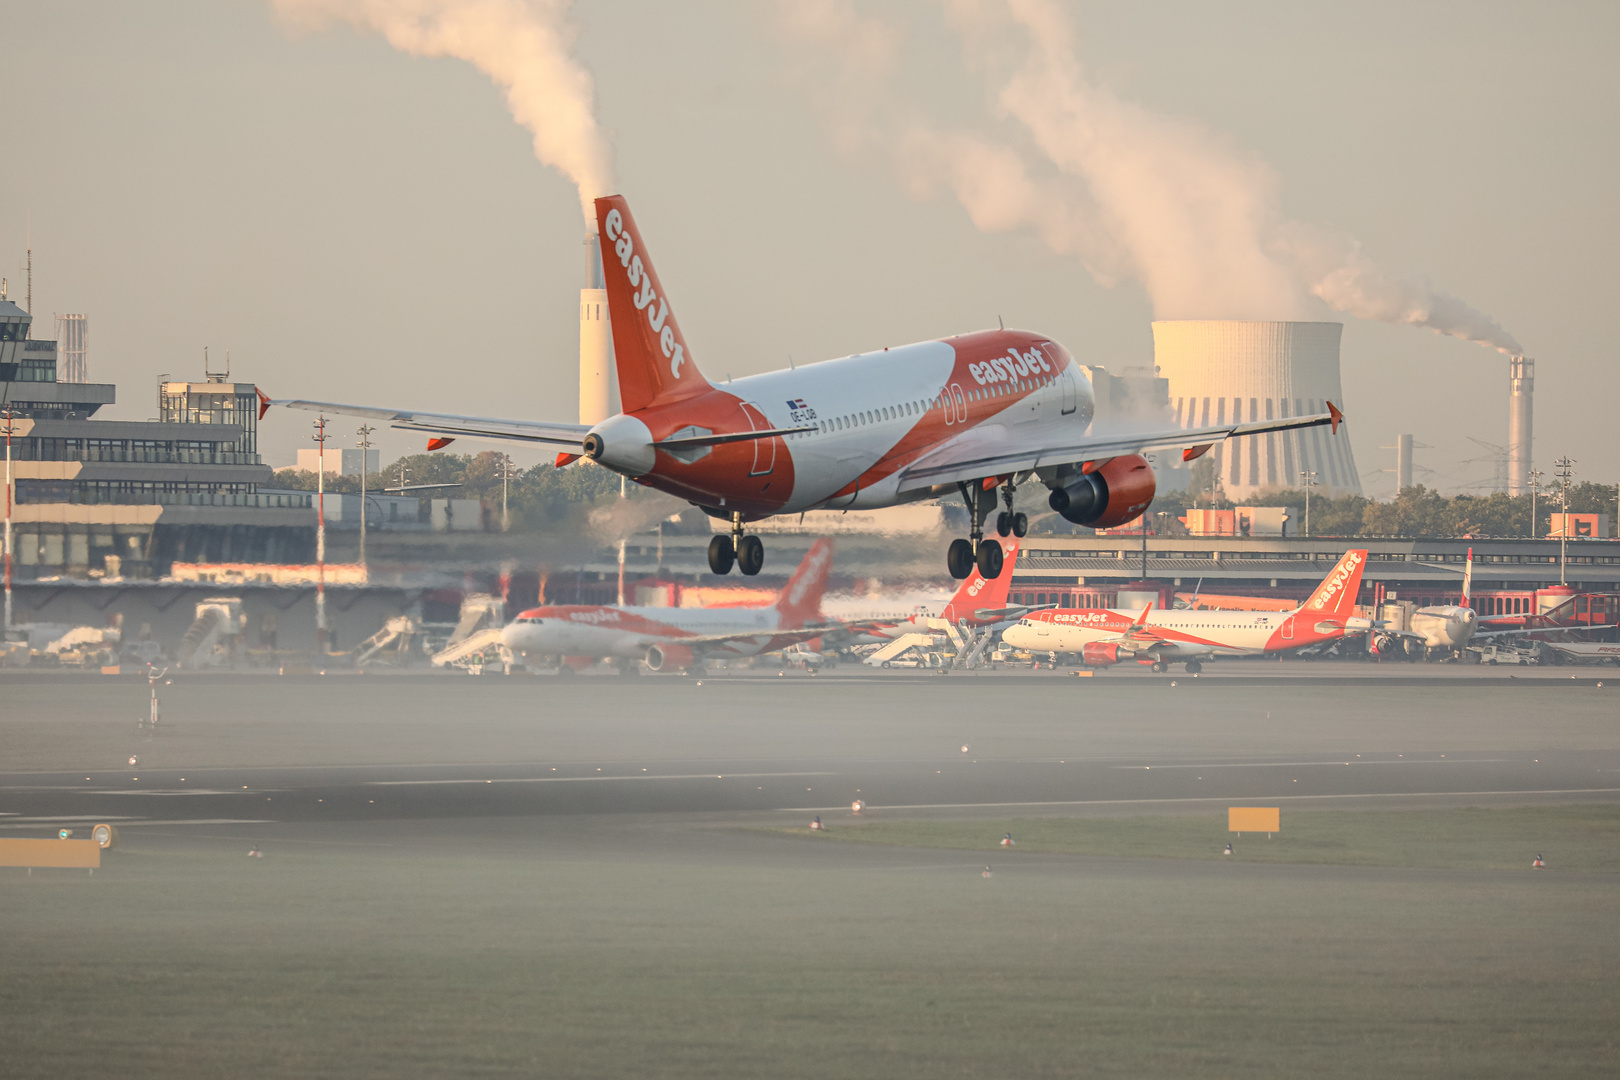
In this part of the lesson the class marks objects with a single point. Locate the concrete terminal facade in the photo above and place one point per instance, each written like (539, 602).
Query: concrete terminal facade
(126, 498)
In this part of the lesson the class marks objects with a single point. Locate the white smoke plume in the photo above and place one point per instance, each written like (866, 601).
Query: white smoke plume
(524, 46)
(1134, 194)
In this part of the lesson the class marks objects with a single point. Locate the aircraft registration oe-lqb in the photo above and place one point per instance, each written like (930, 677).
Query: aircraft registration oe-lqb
(965, 415)
(1103, 637)
(677, 638)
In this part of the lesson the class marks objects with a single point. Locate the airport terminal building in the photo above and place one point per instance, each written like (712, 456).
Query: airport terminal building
(122, 498)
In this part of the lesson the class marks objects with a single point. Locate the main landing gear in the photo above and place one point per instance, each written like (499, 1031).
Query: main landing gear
(748, 552)
(963, 555)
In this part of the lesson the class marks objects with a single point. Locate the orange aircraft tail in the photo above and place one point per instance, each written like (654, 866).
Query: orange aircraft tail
(1336, 596)
(653, 360)
(979, 593)
(801, 600)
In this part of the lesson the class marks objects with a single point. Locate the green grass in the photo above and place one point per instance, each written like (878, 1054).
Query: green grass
(1569, 838)
(670, 952)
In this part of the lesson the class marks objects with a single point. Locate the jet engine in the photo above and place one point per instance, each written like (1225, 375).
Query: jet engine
(1096, 654)
(1112, 494)
(669, 657)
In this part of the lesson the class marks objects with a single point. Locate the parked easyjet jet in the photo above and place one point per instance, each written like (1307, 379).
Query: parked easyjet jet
(1103, 637)
(965, 415)
(979, 602)
(678, 638)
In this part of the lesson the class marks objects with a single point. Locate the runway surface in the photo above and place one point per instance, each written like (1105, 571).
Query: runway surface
(767, 749)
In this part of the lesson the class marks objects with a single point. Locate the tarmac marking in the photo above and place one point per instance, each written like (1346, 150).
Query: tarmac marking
(575, 779)
(1296, 764)
(1194, 799)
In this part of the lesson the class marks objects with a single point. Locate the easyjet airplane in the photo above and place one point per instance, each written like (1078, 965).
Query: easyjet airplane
(678, 638)
(967, 415)
(979, 602)
(1102, 636)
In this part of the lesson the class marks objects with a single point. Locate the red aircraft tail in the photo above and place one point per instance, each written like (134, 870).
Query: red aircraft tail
(653, 360)
(979, 593)
(801, 600)
(1336, 596)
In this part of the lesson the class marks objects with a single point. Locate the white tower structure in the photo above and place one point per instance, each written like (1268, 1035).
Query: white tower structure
(595, 341)
(1233, 372)
(72, 332)
(1521, 391)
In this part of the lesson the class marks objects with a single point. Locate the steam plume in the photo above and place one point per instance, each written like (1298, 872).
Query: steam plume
(1134, 194)
(524, 47)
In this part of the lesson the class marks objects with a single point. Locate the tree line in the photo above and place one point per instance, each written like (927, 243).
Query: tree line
(1417, 511)
(537, 498)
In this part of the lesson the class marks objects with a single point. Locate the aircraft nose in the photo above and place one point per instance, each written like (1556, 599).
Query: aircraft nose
(511, 635)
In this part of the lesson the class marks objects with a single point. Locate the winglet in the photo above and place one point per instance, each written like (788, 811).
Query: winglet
(565, 459)
(264, 402)
(1336, 417)
(439, 443)
(1193, 453)
(1141, 620)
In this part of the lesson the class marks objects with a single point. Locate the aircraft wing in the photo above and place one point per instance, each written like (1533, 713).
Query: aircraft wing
(995, 450)
(1536, 630)
(450, 426)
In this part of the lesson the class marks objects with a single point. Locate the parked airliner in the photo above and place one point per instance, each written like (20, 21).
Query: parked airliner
(678, 638)
(1103, 636)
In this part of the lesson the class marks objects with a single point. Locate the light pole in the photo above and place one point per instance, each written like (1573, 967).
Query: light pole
(1535, 487)
(506, 476)
(320, 537)
(1307, 480)
(9, 428)
(364, 432)
(1564, 469)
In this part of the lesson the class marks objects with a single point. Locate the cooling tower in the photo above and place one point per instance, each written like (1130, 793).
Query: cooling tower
(595, 348)
(1521, 386)
(1234, 372)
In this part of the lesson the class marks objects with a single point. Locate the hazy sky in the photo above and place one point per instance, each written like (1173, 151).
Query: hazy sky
(357, 224)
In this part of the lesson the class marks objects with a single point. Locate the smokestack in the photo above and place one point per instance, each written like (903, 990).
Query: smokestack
(1403, 463)
(1521, 383)
(595, 349)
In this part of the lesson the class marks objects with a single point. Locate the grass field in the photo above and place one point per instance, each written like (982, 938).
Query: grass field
(1580, 839)
(617, 949)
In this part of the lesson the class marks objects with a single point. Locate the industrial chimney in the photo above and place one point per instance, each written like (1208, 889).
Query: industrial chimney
(1403, 463)
(595, 348)
(1521, 383)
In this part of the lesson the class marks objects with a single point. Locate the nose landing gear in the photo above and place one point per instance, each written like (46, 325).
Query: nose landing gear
(748, 552)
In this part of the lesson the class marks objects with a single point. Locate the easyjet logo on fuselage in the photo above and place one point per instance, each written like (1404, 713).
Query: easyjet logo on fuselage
(657, 313)
(1015, 365)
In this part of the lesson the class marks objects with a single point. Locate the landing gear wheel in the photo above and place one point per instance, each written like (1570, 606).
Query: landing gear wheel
(1004, 524)
(959, 558)
(721, 554)
(1194, 667)
(1161, 666)
(989, 560)
(1020, 525)
(750, 555)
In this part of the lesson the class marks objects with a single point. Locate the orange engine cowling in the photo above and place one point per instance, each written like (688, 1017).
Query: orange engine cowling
(1116, 492)
(1097, 654)
(669, 657)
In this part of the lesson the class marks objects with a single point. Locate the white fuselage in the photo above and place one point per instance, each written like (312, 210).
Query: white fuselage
(603, 631)
(1444, 627)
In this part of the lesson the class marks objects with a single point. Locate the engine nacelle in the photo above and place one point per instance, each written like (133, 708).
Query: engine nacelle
(623, 444)
(1108, 496)
(1096, 654)
(669, 657)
